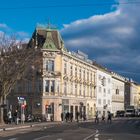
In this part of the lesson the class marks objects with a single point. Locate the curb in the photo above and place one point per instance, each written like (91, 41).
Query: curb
(13, 128)
(34, 125)
(25, 126)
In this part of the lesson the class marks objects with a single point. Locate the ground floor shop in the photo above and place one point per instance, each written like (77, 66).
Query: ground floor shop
(54, 108)
(51, 108)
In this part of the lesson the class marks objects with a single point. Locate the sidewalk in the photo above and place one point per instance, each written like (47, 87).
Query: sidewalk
(13, 126)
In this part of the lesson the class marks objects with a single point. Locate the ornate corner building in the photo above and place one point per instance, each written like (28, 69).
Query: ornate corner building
(66, 83)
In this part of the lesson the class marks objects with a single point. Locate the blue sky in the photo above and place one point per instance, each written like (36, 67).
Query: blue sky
(108, 33)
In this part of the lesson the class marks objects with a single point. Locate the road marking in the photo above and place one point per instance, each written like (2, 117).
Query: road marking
(13, 139)
(96, 135)
(97, 131)
(41, 137)
(59, 139)
(88, 137)
(96, 138)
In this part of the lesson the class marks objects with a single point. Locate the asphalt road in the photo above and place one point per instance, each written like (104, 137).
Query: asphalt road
(120, 129)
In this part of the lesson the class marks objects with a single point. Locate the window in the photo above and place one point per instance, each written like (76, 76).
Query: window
(65, 68)
(90, 91)
(75, 71)
(108, 102)
(80, 73)
(75, 89)
(88, 76)
(117, 91)
(58, 87)
(47, 86)
(100, 89)
(84, 75)
(71, 88)
(71, 70)
(104, 101)
(99, 101)
(91, 77)
(50, 65)
(104, 90)
(108, 91)
(65, 88)
(84, 91)
(52, 86)
(80, 90)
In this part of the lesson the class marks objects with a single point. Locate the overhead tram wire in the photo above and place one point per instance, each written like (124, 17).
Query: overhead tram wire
(72, 5)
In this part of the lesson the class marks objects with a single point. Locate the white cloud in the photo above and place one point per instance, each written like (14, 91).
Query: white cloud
(4, 26)
(112, 38)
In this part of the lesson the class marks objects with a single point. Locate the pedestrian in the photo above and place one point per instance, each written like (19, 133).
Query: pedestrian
(109, 117)
(16, 117)
(67, 116)
(9, 116)
(62, 115)
(103, 118)
(77, 116)
(84, 116)
(96, 117)
(71, 116)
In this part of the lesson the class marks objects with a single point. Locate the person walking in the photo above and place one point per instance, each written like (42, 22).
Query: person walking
(62, 115)
(103, 118)
(9, 116)
(96, 117)
(71, 116)
(84, 116)
(77, 116)
(109, 117)
(16, 117)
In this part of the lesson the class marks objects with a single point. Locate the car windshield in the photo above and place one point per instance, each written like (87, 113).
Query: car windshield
(129, 111)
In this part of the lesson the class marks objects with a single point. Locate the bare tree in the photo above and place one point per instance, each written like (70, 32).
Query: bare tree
(15, 59)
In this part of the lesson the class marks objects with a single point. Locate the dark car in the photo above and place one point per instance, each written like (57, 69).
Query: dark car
(120, 113)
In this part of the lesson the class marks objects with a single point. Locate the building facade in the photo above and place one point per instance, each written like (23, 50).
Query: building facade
(66, 83)
(103, 91)
(132, 94)
(118, 92)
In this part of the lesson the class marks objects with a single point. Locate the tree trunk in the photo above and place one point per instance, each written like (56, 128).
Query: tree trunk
(1, 111)
(1, 116)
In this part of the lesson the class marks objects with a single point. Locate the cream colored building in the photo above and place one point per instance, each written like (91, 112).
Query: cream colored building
(132, 94)
(118, 92)
(68, 79)
(67, 82)
(139, 96)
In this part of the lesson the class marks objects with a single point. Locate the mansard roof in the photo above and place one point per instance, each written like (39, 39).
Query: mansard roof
(47, 38)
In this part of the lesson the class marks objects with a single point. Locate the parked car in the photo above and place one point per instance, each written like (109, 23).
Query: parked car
(130, 113)
(120, 113)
